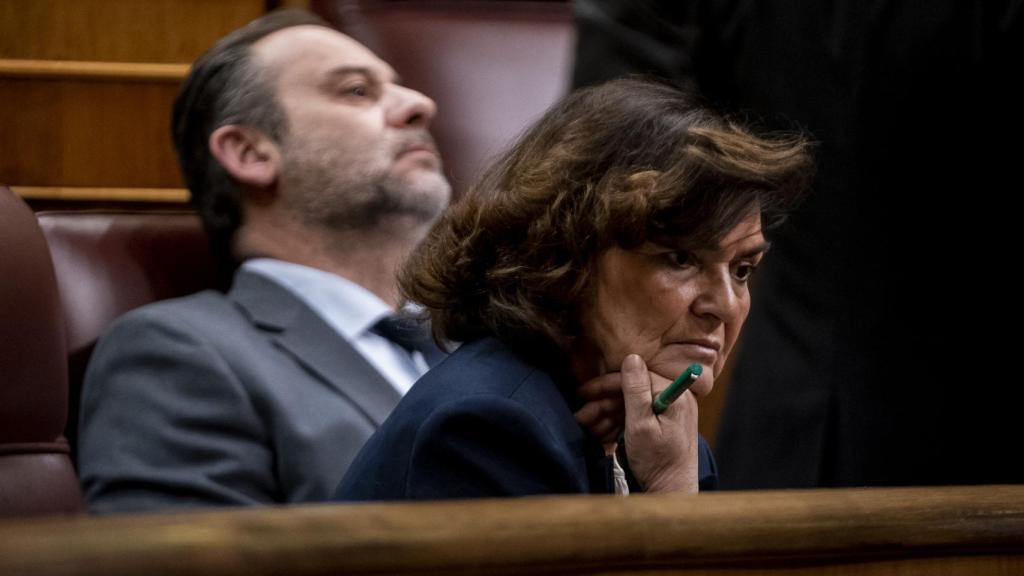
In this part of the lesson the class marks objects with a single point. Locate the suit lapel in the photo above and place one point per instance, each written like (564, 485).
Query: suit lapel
(314, 344)
(593, 464)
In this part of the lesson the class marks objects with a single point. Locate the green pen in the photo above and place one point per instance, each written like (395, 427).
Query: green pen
(676, 388)
(670, 394)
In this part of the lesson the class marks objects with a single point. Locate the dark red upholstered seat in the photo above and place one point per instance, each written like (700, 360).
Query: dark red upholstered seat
(109, 262)
(36, 474)
(492, 67)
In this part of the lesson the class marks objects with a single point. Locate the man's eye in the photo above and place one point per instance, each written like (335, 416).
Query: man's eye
(744, 272)
(358, 90)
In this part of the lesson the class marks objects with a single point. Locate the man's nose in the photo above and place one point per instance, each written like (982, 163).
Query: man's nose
(410, 108)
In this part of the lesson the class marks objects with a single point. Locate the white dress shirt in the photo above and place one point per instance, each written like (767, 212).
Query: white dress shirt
(351, 311)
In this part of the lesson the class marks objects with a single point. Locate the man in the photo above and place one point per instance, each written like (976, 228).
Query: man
(312, 165)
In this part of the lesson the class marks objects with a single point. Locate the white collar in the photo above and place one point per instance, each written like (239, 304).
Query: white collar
(344, 305)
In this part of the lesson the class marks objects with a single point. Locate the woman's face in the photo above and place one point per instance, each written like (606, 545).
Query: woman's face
(674, 307)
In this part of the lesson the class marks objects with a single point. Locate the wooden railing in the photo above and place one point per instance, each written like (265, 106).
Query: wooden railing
(933, 531)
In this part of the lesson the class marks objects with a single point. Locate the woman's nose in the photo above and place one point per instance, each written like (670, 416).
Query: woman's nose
(716, 295)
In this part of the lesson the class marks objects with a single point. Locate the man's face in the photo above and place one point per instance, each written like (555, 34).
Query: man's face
(356, 146)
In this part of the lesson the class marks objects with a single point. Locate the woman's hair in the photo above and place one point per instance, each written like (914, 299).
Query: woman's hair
(620, 164)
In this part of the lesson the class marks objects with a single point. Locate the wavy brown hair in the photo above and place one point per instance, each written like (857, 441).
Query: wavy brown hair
(618, 164)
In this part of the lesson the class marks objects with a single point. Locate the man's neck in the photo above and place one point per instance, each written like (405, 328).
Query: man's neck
(370, 258)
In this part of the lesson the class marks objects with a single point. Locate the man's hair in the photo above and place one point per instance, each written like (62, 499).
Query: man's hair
(620, 164)
(225, 87)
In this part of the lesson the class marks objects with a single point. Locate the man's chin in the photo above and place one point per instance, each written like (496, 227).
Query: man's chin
(425, 193)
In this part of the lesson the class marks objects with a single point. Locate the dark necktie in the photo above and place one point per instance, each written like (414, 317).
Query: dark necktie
(410, 335)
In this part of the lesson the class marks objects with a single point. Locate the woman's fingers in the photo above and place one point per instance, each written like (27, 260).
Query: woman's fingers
(661, 449)
(641, 425)
(636, 390)
(602, 414)
(605, 386)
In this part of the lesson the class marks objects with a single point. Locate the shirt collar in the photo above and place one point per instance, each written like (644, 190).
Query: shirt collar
(344, 305)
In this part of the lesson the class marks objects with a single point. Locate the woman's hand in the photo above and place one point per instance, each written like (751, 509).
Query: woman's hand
(603, 414)
(662, 449)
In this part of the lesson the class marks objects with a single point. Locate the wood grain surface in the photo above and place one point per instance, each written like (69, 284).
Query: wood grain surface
(945, 531)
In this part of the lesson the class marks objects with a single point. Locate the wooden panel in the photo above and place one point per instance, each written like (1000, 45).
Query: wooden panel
(159, 195)
(69, 69)
(944, 531)
(89, 132)
(118, 30)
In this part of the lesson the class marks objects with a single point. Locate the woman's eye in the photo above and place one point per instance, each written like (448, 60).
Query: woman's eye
(680, 259)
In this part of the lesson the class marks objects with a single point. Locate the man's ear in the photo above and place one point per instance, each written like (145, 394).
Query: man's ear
(248, 155)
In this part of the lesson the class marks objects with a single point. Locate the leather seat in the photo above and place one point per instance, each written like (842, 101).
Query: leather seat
(36, 474)
(109, 262)
(492, 67)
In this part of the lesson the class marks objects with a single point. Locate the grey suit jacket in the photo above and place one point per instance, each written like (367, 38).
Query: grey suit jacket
(209, 400)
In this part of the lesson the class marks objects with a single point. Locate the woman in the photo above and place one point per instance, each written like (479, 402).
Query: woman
(608, 250)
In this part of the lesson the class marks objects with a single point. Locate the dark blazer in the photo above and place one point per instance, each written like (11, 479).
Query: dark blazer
(485, 422)
(213, 399)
